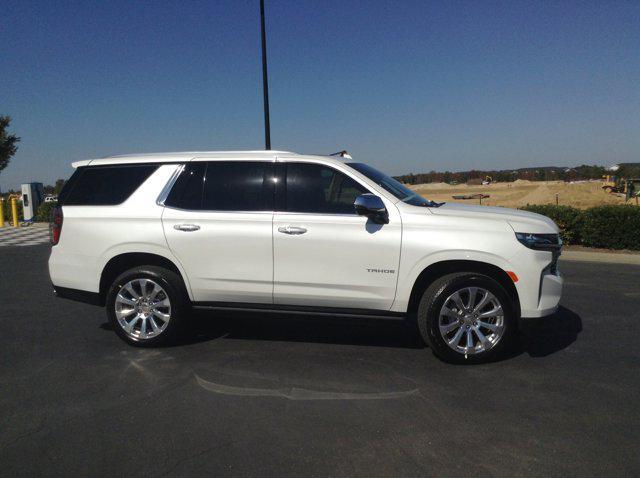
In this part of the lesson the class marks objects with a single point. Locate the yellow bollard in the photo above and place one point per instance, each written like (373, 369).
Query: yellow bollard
(14, 211)
(1, 212)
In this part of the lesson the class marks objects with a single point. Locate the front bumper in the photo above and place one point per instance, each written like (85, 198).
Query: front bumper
(549, 297)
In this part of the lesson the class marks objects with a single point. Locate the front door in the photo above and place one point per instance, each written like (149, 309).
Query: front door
(324, 254)
(217, 221)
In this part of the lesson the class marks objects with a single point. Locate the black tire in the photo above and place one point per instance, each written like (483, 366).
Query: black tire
(434, 298)
(174, 287)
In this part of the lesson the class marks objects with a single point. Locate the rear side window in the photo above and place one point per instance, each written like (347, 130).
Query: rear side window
(104, 185)
(186, 193)
(238, 186)
(224, 186)
(314, 188)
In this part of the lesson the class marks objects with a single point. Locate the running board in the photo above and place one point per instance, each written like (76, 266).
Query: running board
(300, 310)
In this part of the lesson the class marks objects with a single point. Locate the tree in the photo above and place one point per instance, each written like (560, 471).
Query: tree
(8, 142)
(59, 185)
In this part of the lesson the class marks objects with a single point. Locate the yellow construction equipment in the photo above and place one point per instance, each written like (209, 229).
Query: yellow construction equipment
(610, 183)
(628, 187)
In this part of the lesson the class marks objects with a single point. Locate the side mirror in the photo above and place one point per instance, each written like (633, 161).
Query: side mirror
(371, 206)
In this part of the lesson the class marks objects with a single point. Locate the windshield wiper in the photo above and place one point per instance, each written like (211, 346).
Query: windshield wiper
(426, 203)
(432, 204)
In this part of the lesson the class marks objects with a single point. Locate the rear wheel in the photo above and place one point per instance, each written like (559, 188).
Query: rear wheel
(146, 306)
(467, 318)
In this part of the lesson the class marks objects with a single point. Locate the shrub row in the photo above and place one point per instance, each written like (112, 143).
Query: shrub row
(43, 214)
(609, 227)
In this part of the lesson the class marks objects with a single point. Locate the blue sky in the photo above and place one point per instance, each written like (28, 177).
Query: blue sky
(405, 86)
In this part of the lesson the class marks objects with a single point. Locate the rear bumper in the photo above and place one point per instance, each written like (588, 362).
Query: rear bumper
(78, 295)
(550, 293)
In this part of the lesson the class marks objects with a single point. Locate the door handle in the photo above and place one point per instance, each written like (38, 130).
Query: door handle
(293, 230)
(186, 227)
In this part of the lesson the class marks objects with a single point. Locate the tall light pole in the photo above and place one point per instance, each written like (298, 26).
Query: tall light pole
(265, 81)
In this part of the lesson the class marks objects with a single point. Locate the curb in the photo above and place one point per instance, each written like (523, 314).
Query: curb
(609, 257)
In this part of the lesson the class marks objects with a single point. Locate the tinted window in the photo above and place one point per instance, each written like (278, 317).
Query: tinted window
(187, 190)
(320, 189)
(238, 186)
(68, 186)
(105, 185)
(393, 186)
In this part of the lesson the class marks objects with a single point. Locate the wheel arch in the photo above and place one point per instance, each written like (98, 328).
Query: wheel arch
(441, 268)
(127, 260)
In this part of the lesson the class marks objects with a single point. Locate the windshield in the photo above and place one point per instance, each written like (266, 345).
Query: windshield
(393, 186)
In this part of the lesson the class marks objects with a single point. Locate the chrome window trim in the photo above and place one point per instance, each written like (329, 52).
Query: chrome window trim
(282, 213)
(335, 214)
(219, 211)
(167, 187)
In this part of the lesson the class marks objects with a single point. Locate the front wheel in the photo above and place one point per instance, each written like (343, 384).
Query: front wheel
(146, 306)
(467, 318)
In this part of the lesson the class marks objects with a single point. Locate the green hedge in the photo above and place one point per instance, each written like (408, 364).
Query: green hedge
(609, 227)
(568, 219)
(43, 214)
(612, 227)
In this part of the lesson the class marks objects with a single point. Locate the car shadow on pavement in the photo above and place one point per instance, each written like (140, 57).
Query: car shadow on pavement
(538, 337)
(548, 335)
(293, 328)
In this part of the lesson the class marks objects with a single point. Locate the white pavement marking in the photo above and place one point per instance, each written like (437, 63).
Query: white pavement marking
(24, 236)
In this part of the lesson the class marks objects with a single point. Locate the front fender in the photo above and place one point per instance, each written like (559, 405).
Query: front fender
(407, 281)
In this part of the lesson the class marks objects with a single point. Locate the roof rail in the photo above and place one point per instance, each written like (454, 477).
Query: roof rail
(342, 154)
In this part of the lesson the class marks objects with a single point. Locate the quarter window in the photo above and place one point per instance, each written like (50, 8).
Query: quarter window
(104, 185)
(314, 188)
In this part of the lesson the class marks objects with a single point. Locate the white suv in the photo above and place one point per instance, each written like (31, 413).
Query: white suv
(152, 236)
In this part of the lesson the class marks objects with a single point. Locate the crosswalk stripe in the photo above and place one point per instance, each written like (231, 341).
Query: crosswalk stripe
(24, 236)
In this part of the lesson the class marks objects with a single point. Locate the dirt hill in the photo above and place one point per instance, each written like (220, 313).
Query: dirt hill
(521, 192)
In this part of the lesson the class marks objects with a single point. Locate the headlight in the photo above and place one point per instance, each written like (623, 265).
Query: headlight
(540, 242)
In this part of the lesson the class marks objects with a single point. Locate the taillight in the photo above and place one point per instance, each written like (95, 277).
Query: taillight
(55, 226)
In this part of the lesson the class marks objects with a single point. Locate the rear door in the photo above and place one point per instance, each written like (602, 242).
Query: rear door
(217, 221)
(324, 254)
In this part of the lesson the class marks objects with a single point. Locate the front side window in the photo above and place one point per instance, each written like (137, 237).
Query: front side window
(104, 185)
(224, 186)
(314, 188)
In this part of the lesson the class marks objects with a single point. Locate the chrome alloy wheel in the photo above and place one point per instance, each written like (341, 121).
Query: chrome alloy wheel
(143, 309)
(471, 320)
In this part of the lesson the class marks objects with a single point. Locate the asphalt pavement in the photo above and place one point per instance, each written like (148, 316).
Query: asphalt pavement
(283, 396)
